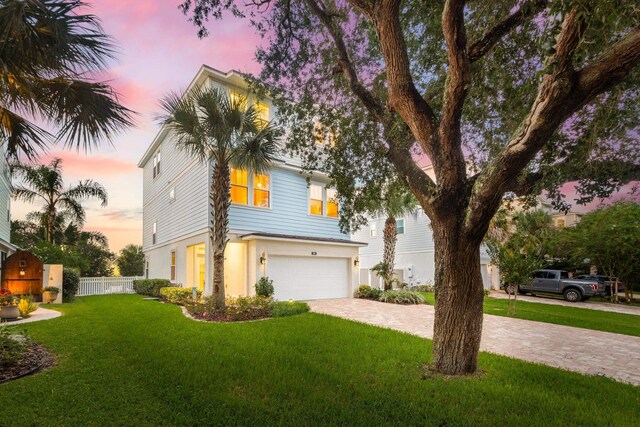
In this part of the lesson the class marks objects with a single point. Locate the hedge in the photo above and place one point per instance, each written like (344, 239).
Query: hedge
(177, 295)
(150, 287)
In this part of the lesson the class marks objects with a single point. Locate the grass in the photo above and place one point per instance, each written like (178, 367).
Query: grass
(619, 323)
(124, 361)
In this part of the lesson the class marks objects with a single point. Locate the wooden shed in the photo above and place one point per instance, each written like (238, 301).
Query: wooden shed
(22, 274)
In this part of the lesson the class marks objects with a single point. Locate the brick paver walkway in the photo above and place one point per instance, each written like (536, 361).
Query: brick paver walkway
(575, 349)
(601, 306)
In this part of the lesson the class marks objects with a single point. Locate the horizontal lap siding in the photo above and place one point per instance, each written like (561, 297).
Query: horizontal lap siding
(417, 236)
(288, 213)
(5, 195)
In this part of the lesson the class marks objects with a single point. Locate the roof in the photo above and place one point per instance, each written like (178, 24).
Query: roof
(276, 236)
(8, 245)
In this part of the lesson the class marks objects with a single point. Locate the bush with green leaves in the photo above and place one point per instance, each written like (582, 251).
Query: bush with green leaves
(70, 284)
(427, 287)
(177, 295)
(367, 292)
(288, 308)
(401, 296)
(264, 287)
(12, 347)
(247, 308)
(150, 287)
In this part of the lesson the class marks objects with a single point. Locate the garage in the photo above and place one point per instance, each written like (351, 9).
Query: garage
(309, 277)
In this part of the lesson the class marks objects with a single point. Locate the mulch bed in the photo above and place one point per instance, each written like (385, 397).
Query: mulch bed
(34, 359)
(217, 316)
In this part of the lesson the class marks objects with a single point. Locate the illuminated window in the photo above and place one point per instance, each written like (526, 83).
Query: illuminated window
(261, 190)
(239, 186)
(332, 202)
(237, 99)
(400, 226)
(315, 199)
(318, 133)
(173, 265)
(560, 222)
(262, 114)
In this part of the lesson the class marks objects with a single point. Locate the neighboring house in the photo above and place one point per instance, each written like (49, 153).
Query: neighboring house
(560, 219)
(6, 248)
(280, 226)
(414, 261)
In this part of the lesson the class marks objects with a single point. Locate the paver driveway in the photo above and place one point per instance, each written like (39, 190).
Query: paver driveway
(581, 350)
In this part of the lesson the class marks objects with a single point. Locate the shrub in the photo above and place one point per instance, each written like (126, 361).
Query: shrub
(27, 306)
(246, 308)
(150, 287)
(70, 284)
(402, 297)
(427, 287)
(367, 292)
(288, 308)
(486, 292)
(264, 287)
(11, 347)
(177, 295)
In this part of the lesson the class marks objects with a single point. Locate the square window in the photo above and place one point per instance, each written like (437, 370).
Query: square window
(239, 186)
(315, 200)
(261, 192)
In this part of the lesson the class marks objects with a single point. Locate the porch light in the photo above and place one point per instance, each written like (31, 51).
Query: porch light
(356, 262)
(263, 259)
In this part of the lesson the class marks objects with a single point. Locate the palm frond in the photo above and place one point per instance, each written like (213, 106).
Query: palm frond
(85, 190)
(255, 152)
(24, 194)
(72, 210)
(22, 138)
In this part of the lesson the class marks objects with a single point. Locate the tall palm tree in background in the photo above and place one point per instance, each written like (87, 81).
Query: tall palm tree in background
(396, 201)
(225, 131)
(48, 53)
(60, 204)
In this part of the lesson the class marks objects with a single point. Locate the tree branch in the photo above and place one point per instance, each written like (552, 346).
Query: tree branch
(527, 10)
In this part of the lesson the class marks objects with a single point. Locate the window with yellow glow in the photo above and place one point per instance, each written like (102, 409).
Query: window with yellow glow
(262, 114)
(315, 199)
(237, 98)
(239, 186)
(173, 265)
(318, 133)
(261, 190)
(332, 202)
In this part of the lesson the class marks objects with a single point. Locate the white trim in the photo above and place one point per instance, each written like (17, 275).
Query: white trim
(175, 240)
(303, 240)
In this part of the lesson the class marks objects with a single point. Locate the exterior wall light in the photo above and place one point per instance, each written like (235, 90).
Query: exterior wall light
(263, 259)
(356, 262)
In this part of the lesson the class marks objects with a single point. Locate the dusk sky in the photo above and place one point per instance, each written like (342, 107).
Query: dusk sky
(158, 52)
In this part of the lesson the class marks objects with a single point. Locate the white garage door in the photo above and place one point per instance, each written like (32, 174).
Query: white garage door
(307, 278)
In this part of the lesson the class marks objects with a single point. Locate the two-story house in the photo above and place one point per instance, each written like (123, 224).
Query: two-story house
(280, 226)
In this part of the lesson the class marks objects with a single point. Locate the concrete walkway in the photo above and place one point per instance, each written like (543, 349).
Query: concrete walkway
(40, 314)
(544, 299)
(575, 349)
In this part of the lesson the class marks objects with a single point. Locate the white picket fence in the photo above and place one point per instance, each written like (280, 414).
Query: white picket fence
(106, 285)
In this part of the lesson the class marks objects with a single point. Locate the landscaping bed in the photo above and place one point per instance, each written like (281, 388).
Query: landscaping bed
(19, 356)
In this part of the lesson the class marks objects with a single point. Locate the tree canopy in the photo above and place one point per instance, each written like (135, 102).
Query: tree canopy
(130, 261)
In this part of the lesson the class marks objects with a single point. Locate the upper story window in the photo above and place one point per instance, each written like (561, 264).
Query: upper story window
(322, 136)
(315, 199)
(262, 114)
(373, 229)
(261, 192)
(156, 164)
(155, 231)
(400, 226)
(237, 98)
(332, 202)
(239, 186)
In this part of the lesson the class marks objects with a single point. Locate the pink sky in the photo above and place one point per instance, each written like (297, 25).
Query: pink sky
(158, 52)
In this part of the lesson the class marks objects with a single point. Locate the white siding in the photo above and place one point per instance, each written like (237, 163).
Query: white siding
(5, 197)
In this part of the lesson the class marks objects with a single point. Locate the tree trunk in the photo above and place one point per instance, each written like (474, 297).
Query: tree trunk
(390, 236)
(220, 199)
(458, 307)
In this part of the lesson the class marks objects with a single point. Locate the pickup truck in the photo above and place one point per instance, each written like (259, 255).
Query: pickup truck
(558, 282)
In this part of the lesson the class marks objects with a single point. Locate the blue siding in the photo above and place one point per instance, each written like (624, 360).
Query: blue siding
(289, 213)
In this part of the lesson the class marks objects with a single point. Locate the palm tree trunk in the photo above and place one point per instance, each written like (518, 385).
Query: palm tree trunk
(49, 222)
(220, 200)
(390, 236)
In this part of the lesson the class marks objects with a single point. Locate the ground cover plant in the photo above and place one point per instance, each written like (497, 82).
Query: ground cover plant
(394, 296)
(242, 308)
(125, 361)
(619, 323)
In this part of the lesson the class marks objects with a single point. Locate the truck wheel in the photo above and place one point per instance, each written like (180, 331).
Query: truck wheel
(572, 295)
(510, 289)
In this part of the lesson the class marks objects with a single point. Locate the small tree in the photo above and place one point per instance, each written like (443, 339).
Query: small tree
(130, 261)
(520, 249)
(610, 239)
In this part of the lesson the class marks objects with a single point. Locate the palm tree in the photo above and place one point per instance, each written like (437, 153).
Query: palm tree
(47, 52)
(396, 201)
(217, 128)
(45, 183)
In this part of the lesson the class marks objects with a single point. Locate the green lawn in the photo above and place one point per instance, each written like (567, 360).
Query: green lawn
(620, 323)
(124, 361)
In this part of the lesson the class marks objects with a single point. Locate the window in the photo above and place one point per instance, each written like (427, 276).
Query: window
(173, 266)
(262, 114)
(373, 229)
(563, 275)
(236, 98)
(332, 202)
(560, 222)
(172, 194)
(156, 164)
(318, 133)
(239, 186)
(261, 190)
(400, 226)
(153, 236)
(315, 200)
(146, 270)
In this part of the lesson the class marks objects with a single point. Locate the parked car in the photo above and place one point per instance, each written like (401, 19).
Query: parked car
(608, 283)
(558, 282)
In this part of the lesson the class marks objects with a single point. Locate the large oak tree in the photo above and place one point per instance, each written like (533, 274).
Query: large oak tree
(503, 97)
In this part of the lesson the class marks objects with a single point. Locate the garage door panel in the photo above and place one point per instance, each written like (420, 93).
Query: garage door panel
(307, 278)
